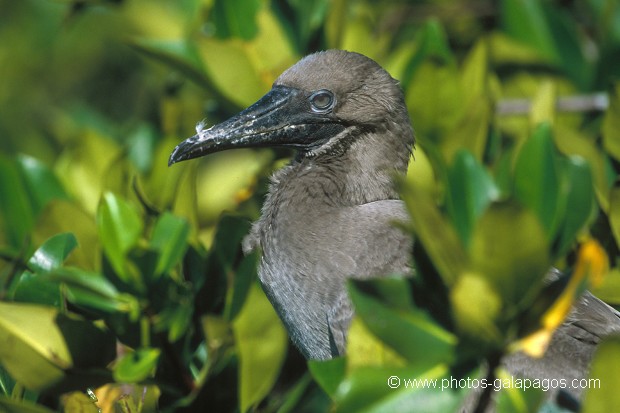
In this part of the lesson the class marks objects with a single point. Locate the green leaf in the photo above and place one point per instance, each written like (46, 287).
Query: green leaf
(244, 277)
(136, 366)
(41, 183)
(261, 342)
(614, 212)
(169, 238)
(15, 206)
(413, 334)
(433, 44)
(509, 249)
(328, 374)
(43, 349)
(119, 227)
(93, 291)
(525, 21)
(32, 348)
(476, 308)
(177, 54)
(517, 400)
(470, 191)
(53, 253)
(235, 18)
(438, 237)
(381, 390)
(579, 199)
(611, 125)
(601, 394)
(35, 287)
(9, 405)
(537, 182)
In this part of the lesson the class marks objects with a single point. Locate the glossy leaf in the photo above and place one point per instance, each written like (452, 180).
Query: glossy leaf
(236, 18)
(412, 334)
(119, 227)
(261, 342)
(614, 212)
(537, 181)
(525, 21)
(93, 291)
(53, 253)
(137, 365)
(383, 390)
(579, 200)
(34, 287)
(366, 349)
(169, 238)
(41, 183)
(328, 373)
(470, 190)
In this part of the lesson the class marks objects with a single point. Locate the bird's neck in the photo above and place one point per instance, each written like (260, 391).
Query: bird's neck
(363, 173)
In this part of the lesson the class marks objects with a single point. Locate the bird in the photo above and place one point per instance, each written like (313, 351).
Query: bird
(327, 209)
(329, 214)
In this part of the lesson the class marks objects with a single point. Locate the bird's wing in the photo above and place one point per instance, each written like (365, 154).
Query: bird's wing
(367, 241)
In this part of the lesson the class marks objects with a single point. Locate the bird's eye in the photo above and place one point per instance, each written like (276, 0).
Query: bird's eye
(322, 101)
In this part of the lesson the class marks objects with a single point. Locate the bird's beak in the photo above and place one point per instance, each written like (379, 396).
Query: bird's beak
(280, 118)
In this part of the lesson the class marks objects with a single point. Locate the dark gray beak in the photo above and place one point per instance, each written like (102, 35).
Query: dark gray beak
(283, 117)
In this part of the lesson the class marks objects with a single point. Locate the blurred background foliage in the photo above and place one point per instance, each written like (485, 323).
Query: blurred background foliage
(122, 283)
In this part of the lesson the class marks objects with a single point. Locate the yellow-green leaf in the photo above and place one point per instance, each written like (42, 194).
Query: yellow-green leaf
(261, 342)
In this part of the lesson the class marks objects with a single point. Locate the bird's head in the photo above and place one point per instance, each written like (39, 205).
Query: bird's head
(320, 105)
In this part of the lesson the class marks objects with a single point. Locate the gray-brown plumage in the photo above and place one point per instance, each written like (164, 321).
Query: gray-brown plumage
(328, 214)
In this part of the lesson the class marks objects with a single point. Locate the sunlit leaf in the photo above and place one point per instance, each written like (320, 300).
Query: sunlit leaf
(261, 342)
(601, 394)
(235, 18)
(40, 181)
(178, 54)
(592, 265)
(53, 252)
(32, 348)
(543, 105)
(476, 308)
(10, 405)
(412, 334)
(438, 237)
(512, 399)
(525, 21)
(509, 249)
(328, 373)
(580, 200)
(470, 190)
(611, 125)
(383, 390)
(41, 348)
(537, 181)
(366, 349)
(169, 238)
(119, 227)
(62, 216)
(136, 366)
